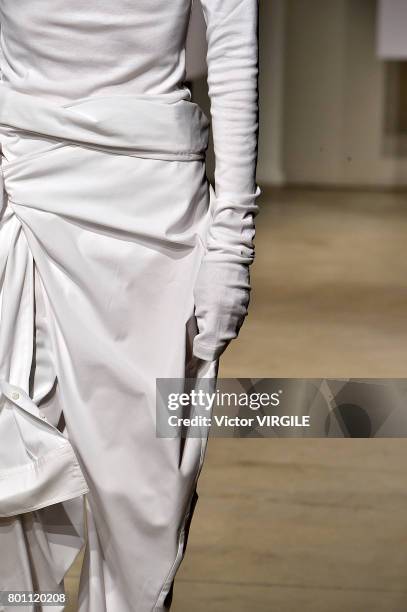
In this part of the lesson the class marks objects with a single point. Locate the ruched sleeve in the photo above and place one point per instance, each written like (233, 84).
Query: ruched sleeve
(222, 289)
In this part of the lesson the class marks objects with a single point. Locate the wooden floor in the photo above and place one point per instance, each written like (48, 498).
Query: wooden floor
(310, 525)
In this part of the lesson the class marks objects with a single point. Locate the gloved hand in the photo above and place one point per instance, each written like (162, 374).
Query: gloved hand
(222, 294)
(222, 287)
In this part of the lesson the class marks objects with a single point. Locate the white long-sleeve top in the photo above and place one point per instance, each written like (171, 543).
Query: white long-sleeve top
(67, 50)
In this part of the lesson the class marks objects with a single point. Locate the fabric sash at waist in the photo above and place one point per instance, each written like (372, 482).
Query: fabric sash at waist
(162, 126)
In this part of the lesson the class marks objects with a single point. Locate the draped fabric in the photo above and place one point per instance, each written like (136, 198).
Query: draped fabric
(37, 186)
(80, 242)
(119, 264)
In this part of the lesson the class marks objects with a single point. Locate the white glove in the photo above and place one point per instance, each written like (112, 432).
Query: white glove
(222, 287)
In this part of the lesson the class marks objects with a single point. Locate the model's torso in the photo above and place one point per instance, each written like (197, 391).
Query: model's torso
(72, 49)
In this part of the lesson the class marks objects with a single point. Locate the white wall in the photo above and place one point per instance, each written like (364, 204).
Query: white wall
(333, 92)
(391, 31)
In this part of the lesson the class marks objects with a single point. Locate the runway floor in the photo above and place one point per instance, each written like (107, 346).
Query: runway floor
(310, 525)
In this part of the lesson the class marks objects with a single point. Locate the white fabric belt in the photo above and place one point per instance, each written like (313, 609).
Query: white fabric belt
(162, 126)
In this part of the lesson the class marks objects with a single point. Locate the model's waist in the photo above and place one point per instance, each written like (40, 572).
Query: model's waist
(164, 125)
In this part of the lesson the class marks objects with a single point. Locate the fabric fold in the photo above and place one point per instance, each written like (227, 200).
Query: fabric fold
(48, 473)
(161, 127)
(38, 465)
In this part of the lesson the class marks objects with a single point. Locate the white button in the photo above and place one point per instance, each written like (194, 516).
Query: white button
(15, 395)
(44, 418)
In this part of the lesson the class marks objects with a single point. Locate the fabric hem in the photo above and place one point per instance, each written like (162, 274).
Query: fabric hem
(61, 475)
(205, 352)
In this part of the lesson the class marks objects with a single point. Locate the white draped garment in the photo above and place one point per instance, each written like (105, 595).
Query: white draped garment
(119, 264)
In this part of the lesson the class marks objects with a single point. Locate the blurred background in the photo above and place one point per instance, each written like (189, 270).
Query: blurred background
(296, 525)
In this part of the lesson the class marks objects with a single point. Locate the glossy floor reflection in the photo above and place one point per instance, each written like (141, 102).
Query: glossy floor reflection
(310, 525)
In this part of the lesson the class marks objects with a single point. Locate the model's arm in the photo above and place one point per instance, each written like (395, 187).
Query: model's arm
(223, 285)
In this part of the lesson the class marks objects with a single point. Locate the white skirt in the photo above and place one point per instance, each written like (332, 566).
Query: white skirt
(103, 226)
